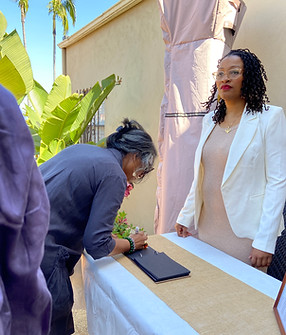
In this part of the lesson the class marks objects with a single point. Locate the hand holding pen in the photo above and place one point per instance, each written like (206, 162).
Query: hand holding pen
(140, 239)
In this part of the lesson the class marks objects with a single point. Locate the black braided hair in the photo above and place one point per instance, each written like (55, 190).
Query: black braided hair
(253, 88)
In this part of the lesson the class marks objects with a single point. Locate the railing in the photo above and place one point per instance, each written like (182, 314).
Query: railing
(95, 129)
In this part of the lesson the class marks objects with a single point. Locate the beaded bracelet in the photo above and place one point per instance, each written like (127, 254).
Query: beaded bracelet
(132, 244)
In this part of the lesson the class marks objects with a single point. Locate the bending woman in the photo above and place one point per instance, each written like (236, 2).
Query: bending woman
(239, 188)
(85, 186)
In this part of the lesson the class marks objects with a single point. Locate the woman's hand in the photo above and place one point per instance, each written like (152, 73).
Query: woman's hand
(260, 258)
(182, 231)
(139, 240)
(122, 245)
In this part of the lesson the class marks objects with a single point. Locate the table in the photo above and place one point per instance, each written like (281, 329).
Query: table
(119, 304)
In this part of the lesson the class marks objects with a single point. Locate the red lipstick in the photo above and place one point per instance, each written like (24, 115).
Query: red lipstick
(225, 87)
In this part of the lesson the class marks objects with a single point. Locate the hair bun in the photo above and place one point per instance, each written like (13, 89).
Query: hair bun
(119, 129)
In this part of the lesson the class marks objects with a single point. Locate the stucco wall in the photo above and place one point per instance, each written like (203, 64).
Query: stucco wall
(263, 31)
(131, 47)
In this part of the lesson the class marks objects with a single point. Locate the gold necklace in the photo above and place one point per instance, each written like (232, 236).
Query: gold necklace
(229, 128)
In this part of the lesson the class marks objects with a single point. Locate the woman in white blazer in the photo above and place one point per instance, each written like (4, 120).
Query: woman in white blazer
(239, 188)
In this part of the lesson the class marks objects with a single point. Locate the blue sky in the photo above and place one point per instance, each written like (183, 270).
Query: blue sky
(39, 32)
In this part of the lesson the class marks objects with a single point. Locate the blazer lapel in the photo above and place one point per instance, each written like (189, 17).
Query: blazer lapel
(244, 135)
(202, 142)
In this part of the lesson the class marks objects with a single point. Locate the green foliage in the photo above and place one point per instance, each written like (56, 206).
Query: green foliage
(3, 25)
(121, 228)
(15, 67)
(58, 119)
(60, 9)
(23, 5)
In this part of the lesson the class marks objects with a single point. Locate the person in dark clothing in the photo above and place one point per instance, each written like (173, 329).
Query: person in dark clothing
(86, 186)
(25, 302)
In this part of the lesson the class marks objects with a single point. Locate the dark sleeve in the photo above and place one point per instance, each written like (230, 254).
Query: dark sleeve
(16, 160)
(97, 238)
(24, 217)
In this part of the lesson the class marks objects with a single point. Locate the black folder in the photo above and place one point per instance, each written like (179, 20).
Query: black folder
(157, 265)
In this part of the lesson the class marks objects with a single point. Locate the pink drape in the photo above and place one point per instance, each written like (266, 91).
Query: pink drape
(197, 33)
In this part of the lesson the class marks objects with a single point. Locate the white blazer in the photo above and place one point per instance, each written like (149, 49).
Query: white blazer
(254, 182)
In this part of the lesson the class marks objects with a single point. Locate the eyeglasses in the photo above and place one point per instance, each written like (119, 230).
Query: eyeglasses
(141, 172)
(231, 74)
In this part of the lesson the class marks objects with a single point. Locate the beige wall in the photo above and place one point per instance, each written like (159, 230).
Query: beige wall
(131, 47)
(263, 31)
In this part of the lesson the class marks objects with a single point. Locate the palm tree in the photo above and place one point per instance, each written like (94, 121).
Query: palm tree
(24, 6)
(60, 9)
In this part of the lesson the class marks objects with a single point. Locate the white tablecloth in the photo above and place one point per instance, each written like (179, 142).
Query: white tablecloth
(119, 304)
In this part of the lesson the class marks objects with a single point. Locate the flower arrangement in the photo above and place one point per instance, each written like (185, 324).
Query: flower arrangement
(121, 228)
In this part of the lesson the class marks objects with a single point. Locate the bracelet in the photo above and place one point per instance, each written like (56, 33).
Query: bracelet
(132, 244)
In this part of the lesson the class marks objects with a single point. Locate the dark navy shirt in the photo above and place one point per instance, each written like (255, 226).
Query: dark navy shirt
(85, 186)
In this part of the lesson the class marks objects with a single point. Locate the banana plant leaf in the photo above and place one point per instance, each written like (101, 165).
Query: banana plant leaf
(33, 118)
(12, 47)
(61, 90)
(58, 118)
(62, 117)
(11, 79)
(36, 139)
(90, 104)
(38, 97)
(47, 152)
(3, 25)
(101, 143)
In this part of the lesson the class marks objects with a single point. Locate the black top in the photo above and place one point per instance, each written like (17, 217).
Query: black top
(86, 186)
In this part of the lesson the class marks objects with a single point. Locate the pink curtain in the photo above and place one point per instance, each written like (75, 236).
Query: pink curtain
(197, 33)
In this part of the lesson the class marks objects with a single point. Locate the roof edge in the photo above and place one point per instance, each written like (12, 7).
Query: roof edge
(119, 8)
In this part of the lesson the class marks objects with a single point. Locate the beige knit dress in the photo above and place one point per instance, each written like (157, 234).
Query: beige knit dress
(214, 227)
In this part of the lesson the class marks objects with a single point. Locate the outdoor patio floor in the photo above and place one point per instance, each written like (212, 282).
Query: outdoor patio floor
(79, 311)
